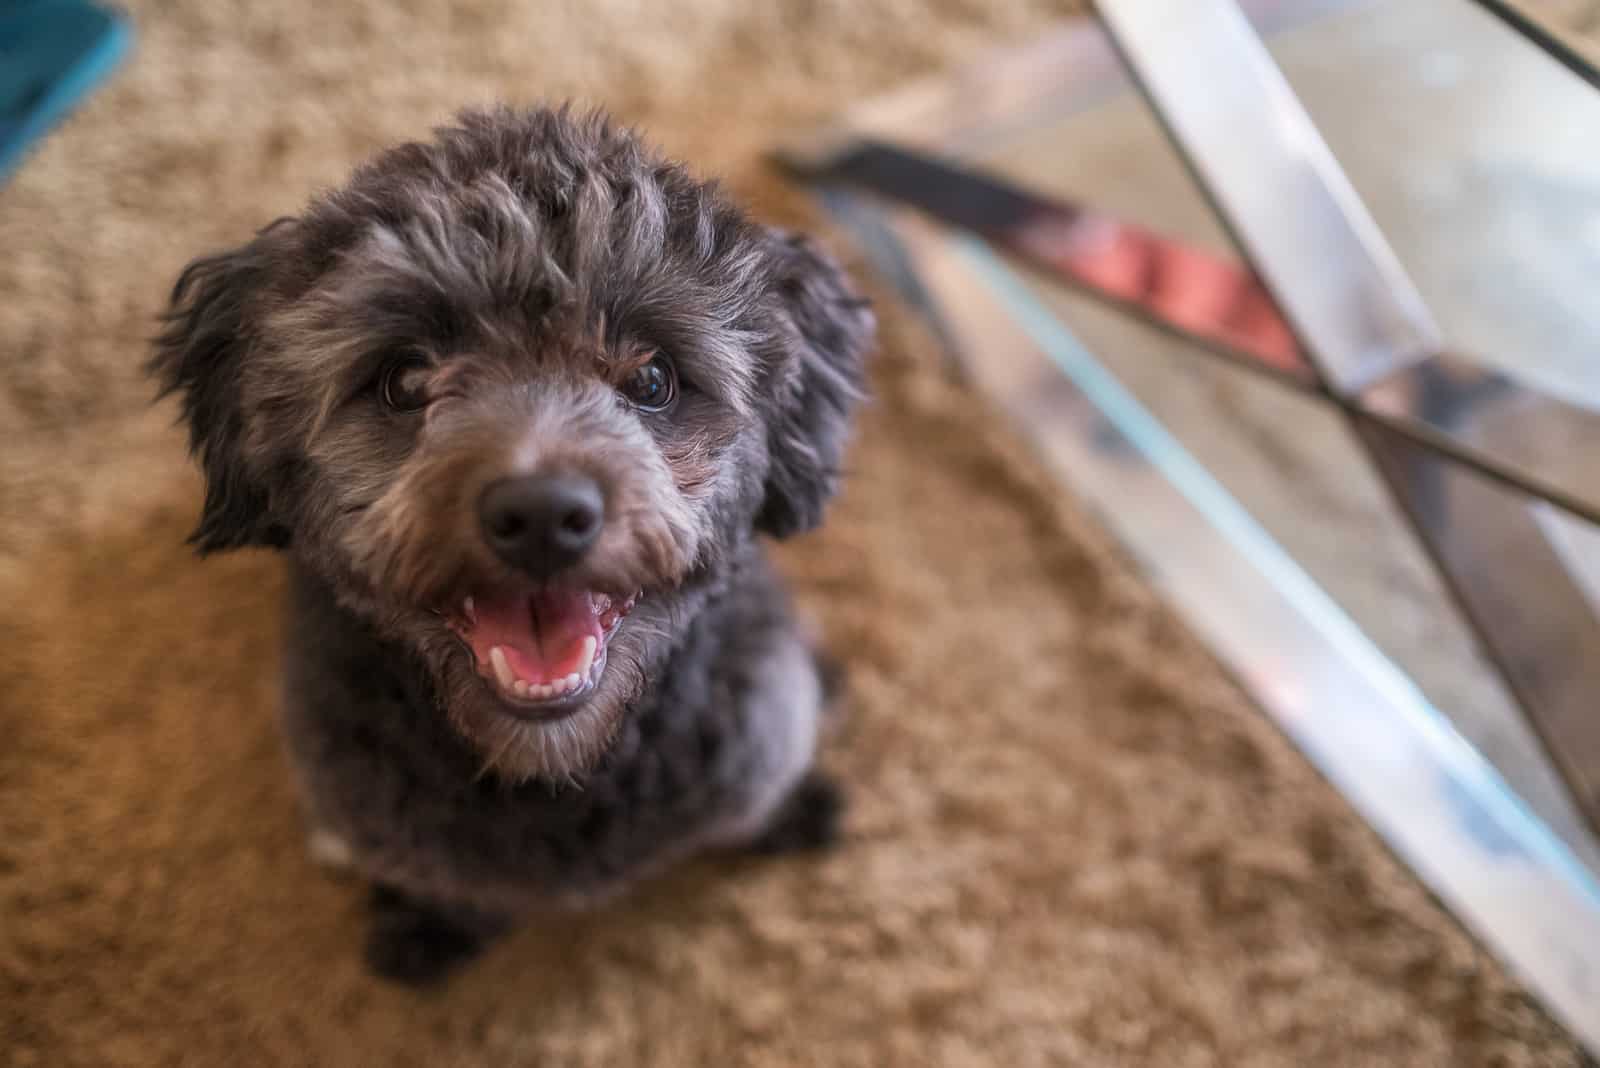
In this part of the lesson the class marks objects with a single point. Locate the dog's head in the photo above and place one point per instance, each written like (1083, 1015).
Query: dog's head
(514, 394)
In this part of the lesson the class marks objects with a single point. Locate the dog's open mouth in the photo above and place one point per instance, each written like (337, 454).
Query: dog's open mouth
(541, 650)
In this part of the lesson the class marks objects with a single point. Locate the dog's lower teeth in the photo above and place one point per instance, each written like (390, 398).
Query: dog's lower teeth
(586, 656)
(502, 667)
(528, 690)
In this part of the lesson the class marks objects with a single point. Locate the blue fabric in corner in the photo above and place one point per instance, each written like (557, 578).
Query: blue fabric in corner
(53, 53)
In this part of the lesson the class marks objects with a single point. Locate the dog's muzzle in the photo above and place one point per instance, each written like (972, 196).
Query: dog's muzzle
(537, 642)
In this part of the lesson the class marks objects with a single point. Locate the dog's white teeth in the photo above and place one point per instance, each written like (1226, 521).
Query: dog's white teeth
(543, 691)
(602, 603)
(586, 657)
(469, 610)
(502, 667)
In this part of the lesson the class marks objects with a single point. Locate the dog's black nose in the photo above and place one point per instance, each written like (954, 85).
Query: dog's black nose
(542, 524)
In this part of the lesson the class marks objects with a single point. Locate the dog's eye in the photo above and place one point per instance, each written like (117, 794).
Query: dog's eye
(654, 386)
(404, 384)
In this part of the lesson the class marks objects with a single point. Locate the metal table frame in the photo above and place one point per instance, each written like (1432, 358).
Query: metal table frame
(1325, 307)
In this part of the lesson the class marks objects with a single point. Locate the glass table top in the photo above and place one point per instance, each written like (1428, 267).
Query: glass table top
(1472, 150)
(1474, 153)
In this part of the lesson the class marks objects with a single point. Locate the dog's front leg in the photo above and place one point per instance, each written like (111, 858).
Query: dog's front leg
(418, 943)
(807, 820)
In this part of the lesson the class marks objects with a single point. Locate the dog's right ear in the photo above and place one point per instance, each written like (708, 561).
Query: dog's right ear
(829, 329)
(210, 328)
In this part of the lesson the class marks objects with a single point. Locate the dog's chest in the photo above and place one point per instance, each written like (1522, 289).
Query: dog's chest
(407, 798)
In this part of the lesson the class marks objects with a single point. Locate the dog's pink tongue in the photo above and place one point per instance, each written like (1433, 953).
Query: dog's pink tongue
(542, 635)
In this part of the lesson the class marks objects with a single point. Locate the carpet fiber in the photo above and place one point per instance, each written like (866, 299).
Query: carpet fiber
(1073, 841)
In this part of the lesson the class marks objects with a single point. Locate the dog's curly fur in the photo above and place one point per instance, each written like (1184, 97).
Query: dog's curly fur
(519, 267)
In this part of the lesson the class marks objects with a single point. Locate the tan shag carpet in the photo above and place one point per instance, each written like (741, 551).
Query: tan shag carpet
(1073, 841)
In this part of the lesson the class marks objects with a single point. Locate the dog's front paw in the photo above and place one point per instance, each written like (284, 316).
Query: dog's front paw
(415, 944)
(809, 819)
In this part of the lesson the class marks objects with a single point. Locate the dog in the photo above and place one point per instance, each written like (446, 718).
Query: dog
(519, 404)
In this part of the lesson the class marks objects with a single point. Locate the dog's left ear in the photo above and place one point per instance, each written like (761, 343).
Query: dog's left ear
(828, 327)
(211, 327)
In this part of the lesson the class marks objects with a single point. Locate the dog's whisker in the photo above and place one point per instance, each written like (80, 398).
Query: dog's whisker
(492, 761)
